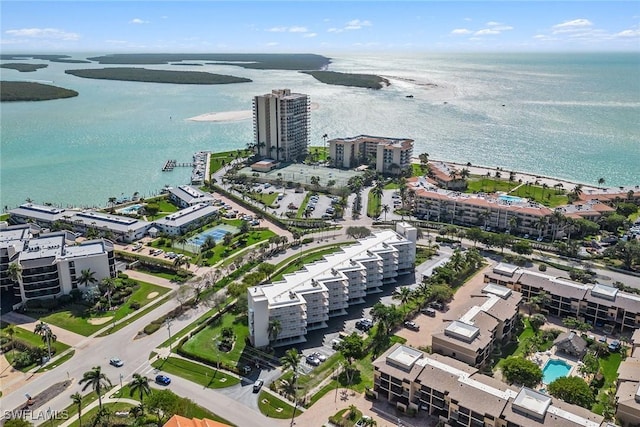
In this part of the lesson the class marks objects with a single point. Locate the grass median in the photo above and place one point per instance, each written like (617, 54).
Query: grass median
(194, 372)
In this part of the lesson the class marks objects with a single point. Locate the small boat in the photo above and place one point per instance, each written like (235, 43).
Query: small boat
(409, 96)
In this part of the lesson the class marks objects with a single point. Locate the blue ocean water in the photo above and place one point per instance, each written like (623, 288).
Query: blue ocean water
(574, 116)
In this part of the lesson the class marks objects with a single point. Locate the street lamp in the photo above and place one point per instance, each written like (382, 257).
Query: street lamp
(169, 330)
(120, 381)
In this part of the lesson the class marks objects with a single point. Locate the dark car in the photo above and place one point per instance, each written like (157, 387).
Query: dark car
(429, 312)
(163, 379)
(411, 325)
(614, 346)
(364, 324)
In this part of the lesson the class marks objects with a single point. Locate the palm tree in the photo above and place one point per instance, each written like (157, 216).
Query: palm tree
(77, 400)
(291, 359)
(47, 336)
(385, 210)
(86, 277)
(109, 285)
(139, 384)
(274, 329)
(183, 260)
(600, 181)
(404, 295)
(97, 380)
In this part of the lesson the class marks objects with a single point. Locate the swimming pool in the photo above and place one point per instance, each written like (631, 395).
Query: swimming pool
(554, 369)
(218, 232)
(130, 209)
(510, 199)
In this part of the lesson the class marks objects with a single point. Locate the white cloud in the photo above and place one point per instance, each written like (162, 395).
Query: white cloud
(486, 32)
(573, 25)
(298, 30)
(334, 30)
(459, 31)
(272, 44)
(492, 24)
(309, 35)
(43, 33)
(628, 33)
(356, 24)
(138, 21)
(277, 30)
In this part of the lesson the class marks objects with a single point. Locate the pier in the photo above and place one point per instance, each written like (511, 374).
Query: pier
(169, 165)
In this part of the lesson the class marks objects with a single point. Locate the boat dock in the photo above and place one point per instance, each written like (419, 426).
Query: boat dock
(169, 165)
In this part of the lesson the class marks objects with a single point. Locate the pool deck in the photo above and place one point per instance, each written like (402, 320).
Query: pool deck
(541, 358)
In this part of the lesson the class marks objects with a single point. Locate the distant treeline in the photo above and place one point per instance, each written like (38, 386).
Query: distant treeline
(23, 68)
(260, 61)
(52, 58)
(157, 76)
(368, 81)
(29, 91)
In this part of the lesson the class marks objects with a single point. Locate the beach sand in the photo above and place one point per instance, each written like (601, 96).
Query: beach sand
(232, 116)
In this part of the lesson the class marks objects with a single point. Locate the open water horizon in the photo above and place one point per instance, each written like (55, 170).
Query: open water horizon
(571, 116)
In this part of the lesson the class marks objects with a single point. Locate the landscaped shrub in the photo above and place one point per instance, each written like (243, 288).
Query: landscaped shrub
(134, 305)
(542, 267)
(151, 328)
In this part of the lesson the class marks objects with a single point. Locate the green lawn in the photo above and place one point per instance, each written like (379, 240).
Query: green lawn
(609, 366)
(196, 373)
(75, 317)
(113, 407)
(203, 344)
(373, 206)
(273, 407)
(57, 362)
(218, 160)
(547, 196)
(477, 184)
(72, 410)
(349, 420)
(266, 199)
(221, 252)
(34, 340)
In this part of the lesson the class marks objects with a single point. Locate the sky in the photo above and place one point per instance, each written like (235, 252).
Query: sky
(317, 26)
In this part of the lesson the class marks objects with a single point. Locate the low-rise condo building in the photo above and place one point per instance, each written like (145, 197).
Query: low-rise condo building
(304, 301)
(118, 228)
(178, 223)
(391, 155)
(488, 324)
(491, 211)
(446, 176)
(628, 389)
(461, 396)
(599, 305)
(51, 264)
(184, 196)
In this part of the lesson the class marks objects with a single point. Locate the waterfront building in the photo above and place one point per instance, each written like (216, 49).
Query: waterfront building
(51, 263)
(186, 195)
(489, 324)
(118, 228)
(281, 125)
(391, 155)
(461, 396)
(490, 211)
(178, 223)
(599, 305)
(446, 176)
(305, 300)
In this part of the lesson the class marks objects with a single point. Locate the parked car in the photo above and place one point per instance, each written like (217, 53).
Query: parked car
(163, 379)
(429, 312)
(436, 305)
(116, 361)
(257, 385)
(313, 361)
(321, 357)
(364, 324)
(246, 369)
(411, 325)
(614, 346)
(335, 343)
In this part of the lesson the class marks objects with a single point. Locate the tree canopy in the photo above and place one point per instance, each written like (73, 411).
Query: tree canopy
(572, 390)
(521, 371)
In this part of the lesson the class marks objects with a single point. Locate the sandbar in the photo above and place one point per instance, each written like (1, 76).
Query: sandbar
(232, 116)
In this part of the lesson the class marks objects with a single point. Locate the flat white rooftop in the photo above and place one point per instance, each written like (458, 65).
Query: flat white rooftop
(604, 291)
(499, 290)
(404, 356)
(461, 330)
(532, 402)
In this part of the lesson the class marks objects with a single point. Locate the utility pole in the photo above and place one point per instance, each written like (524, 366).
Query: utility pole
(169, 329)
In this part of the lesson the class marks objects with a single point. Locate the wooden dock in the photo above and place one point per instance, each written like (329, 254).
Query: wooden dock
(169, 165)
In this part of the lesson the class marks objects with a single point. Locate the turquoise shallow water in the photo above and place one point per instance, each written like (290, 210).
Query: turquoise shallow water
(574, 116)
(554, 369)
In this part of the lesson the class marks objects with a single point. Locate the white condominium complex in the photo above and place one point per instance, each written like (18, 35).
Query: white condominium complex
(304, 301)
(50, 264)
(281, 125)
(392, 155)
